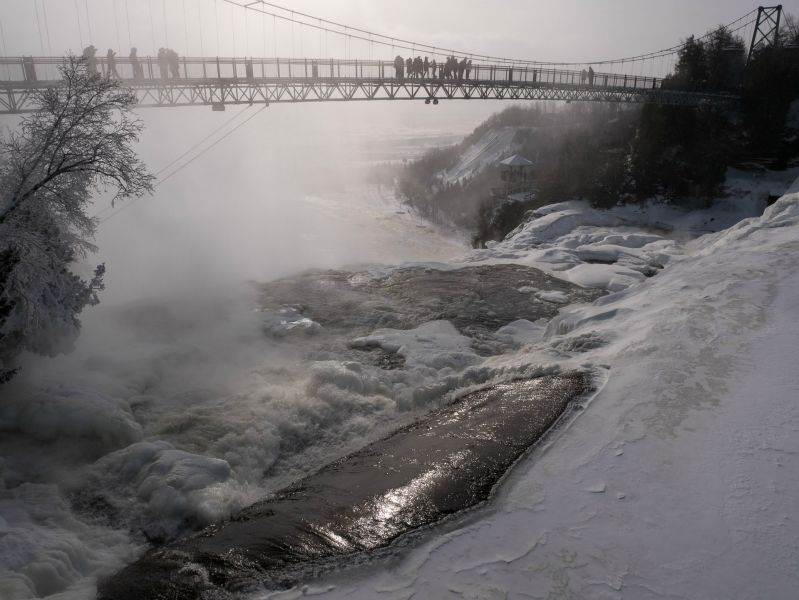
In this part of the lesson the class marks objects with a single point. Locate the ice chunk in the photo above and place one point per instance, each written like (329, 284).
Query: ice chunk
(554, 297)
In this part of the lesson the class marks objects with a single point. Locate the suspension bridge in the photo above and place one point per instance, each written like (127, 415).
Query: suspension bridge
(220, 81)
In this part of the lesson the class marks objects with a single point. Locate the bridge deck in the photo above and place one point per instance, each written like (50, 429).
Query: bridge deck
(220, 81)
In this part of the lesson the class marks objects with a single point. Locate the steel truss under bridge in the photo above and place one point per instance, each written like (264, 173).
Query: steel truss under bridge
(217, 82)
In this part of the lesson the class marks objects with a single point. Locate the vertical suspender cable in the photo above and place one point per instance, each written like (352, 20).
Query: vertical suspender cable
(200, 22)
(233, 29)
(127, 22)
(47, 28)
(5, 50)
(38, 25)
(246, 32)
(88, 20)
(166, 24)
(152, 23)
(3, 38)
(116, 26)
(80, 29)
(185, 27)
(216, 16)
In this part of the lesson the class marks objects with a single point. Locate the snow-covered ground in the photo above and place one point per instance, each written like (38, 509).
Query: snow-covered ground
(680, 479)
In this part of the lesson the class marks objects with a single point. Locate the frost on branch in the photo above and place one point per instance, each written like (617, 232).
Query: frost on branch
(78, 143)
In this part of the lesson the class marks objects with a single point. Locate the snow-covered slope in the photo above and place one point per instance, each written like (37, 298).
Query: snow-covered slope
(680, 479)
(487, 151)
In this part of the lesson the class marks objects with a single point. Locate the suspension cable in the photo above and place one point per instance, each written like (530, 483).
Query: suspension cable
(408, 45)
(186, 164)
(184, 154)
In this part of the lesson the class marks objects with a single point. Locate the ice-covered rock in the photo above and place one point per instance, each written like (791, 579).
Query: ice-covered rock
(436, 345)
(159, 488)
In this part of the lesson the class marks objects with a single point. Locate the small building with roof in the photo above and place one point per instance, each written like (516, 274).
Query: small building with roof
(516, 174)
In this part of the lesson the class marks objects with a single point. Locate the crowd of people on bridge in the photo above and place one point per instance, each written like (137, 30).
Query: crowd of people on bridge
(418, 68)
(168, 63)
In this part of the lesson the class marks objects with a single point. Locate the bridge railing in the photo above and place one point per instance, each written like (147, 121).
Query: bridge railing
(149, 71)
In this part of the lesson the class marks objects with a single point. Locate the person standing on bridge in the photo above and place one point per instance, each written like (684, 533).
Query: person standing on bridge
(590, 75)
(426, 67)
(399, 66)
(434, 68)
(110, 58)
(138, 70)
(90, 56)
(468, 68)
(174, 63)
(163, 64)
(583, 76)
(409, 67)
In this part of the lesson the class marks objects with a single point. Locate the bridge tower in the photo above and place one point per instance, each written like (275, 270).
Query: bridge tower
(767, 29)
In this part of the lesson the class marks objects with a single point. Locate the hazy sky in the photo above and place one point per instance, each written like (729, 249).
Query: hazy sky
(573, 30)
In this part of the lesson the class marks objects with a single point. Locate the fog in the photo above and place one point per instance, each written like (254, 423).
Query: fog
(284, 192)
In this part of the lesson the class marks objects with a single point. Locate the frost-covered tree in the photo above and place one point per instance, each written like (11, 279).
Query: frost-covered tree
(79, 142)
(789, 33)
